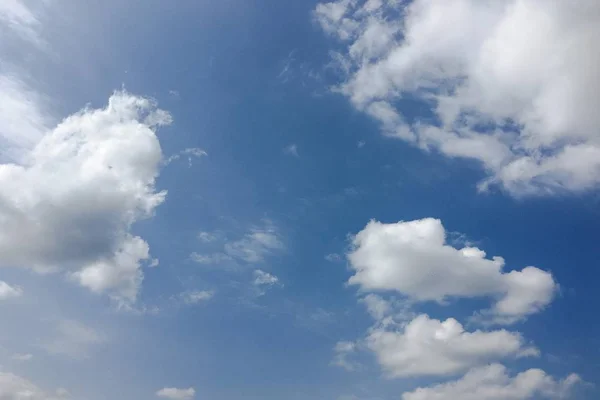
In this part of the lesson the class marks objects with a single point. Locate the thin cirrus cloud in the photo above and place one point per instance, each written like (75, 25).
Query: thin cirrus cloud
(509, 84)
(73, 339)
(22, 357)
(252, 247)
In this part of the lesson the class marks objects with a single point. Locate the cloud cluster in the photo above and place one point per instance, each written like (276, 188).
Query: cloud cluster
(511, 84)
(71, 202)
(414, 259)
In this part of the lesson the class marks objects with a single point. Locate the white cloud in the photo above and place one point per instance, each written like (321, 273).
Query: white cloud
(262, 278)
(73, 339)
(13, 387)
(493, 383)
(292, 150)
(197, 296)
(71, 202)
(429, 347)
(414, 259)
(176, 394)
(8, 292)
(22, 357)
(511, 84)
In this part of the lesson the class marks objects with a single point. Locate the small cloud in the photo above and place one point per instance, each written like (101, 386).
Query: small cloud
(262, 278)
(333, 257)
(253, 247)
(207, 237)
(22, 357)
(153, 263)
(8, 292)
(208, 259)
(196, 296)
(287, 69)
(174, 94)
(361, 144)
(176, 394)
(291, 150)
(191, 152)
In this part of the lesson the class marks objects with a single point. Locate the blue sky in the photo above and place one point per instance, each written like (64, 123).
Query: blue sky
(264, 200)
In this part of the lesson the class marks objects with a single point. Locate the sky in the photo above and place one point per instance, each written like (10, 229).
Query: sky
(265, 199)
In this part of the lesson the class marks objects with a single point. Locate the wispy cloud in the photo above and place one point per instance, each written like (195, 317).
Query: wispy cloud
(196, 296)
(22, 357)
(291, 150)
(253, 247)
(176, 394)
(73, 339)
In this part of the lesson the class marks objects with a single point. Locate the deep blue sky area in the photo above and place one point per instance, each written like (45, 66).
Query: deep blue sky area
(292, 170)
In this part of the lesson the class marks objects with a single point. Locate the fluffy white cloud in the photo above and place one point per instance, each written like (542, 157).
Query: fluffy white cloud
(427, 346)
(13, 387)
(511, 84)
(71, 201)
(176, 394)
(414, 259)
(8, 292)
(493, 383)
